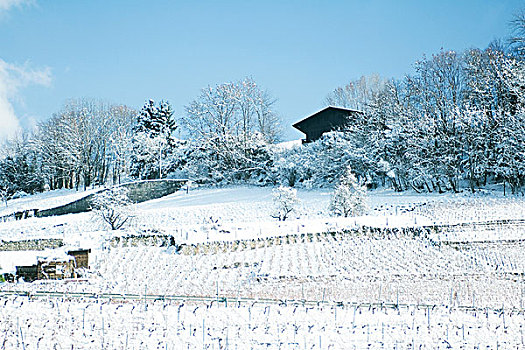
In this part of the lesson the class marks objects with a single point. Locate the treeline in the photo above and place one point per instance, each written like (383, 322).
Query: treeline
(84, 144)
(228, 128)
(457, 122)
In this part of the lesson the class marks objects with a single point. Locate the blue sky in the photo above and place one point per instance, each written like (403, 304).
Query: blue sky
(130, 51)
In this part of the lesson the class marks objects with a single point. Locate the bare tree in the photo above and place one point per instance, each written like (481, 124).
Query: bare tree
(517, 40)
(285, 202)
(83, 142)
(232, 110)
(360, 94)
(113, 207)
(120, 140)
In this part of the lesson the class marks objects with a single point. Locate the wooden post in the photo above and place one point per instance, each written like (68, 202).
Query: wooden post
(22, 338)
(203, 334)
(145, 292)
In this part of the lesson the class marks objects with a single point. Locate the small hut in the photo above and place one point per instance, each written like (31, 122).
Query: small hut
(81, 257)
(54, 265)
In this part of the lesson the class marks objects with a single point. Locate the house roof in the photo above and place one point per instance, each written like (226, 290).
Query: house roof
(299, 123)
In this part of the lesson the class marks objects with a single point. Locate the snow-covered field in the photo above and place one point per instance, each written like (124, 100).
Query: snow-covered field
(81, 324)
(300, 279)
(44, 200)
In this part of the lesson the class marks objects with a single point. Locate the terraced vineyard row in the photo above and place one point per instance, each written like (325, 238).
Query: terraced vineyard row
(188, 325)
(330, 267)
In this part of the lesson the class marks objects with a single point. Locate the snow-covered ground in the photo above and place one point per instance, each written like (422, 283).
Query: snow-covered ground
(245, 212)
(99, 324)
(44, 200)
(237, 250)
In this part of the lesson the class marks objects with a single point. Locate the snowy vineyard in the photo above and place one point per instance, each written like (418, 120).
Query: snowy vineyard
(473, 210)
(218, 273)
(332, 267)
(50, 323)
(398, 222)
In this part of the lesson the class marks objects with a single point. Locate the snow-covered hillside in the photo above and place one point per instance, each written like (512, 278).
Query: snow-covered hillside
(429, 290)
(44, 200)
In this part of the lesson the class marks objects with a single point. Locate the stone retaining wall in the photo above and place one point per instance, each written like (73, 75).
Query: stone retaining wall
(239, 245)
(139, 191)
(31, 244)
(154, 240)
(143, 240)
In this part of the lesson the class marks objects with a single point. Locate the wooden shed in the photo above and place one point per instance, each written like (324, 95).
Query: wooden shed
(55, 269)
(81, 257)
(327, 119)
(27, 273)
(46, 269)
(55, 266)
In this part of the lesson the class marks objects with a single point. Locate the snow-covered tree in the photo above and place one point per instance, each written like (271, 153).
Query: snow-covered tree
(155, 120)
(231, 126)
(78, 145)
(285, 202)
(229, 163)
(349, 198)
(120, 142)
(456, 118)
(4, 194)
(234, 109)
(153, 140)
(113, 207)
(517, 39)
(19, 167)
(361, 94)
(321, 163)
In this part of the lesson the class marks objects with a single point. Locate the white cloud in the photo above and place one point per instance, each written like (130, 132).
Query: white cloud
(12, 78)
(7, 4)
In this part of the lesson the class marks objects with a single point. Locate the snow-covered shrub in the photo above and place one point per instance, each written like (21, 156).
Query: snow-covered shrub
(349, 198)
(4, 196)
(229, 159)
(285, 201)
(113, 207)
(321, 163)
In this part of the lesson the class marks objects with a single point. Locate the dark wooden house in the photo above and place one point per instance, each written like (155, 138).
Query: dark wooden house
(328, 119)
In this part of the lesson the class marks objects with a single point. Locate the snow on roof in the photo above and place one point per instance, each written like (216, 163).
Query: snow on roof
(54, 255)
(9, 260)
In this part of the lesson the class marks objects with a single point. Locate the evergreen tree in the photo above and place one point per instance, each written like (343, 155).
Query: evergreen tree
(156, 120)
(153, 141)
